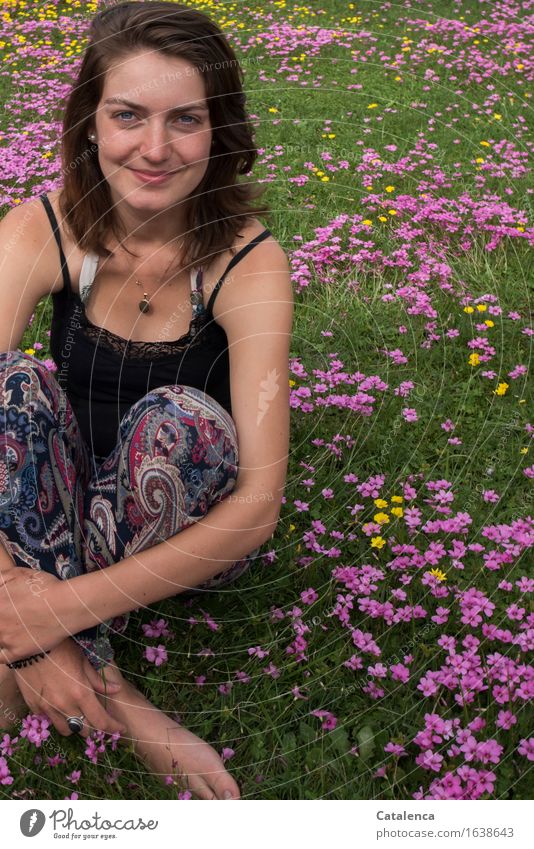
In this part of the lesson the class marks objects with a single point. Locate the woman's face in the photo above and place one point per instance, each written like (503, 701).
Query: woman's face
(153, 131)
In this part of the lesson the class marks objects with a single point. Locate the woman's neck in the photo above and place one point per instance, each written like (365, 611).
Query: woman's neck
(144, 232)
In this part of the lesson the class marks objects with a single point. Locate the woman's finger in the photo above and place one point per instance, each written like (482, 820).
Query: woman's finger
(98, 719)
(99, 684)
(59, 721)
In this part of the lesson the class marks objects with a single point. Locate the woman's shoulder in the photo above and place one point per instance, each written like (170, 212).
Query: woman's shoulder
(28, 235)
(247, 233)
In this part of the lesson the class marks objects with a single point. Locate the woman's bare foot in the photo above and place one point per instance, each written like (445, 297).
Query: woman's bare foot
(166, 747)
(12, 706)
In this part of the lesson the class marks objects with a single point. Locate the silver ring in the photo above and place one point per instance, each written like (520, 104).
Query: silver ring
(75, 723)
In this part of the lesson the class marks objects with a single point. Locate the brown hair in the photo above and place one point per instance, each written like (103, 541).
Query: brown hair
(220, 204)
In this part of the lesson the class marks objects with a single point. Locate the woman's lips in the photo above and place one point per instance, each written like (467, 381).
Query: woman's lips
(154, 179)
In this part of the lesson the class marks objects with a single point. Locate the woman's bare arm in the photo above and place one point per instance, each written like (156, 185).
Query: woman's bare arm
(29, 265)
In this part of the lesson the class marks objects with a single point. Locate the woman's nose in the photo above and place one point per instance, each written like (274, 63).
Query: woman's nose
(156, 142)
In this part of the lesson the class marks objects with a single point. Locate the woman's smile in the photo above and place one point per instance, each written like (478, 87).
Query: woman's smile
(153, 177)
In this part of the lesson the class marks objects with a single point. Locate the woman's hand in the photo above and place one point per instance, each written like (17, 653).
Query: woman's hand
(64, 683)
(28, 623)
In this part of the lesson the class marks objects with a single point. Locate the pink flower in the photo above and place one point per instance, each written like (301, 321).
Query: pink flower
(515, 612)
(5, 775)
(429, 760)
(309, 596)
(505, 719)
(441, 615)
(156, 628)
(517, 372)
(257, 651)
(8, 745)
(157, 655)
(400, 672)
(74, 777)
(526, 748)
(329, 720)
(395, 749)
(35, 728)
(490, 496)
(529, 471)
(409, 414)
(272, 670)
(227, 754)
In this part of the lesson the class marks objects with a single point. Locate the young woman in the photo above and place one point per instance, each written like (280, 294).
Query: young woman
(171, 329)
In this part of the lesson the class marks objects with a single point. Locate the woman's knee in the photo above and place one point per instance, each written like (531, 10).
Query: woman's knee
(169, 411)
(17, 362)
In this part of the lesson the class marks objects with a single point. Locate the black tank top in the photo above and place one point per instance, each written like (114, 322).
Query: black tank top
(104, 374)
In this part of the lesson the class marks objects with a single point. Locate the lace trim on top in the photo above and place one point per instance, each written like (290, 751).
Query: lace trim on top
(150, 350)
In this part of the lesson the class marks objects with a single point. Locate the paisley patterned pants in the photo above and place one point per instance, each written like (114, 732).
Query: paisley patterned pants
(66, 513)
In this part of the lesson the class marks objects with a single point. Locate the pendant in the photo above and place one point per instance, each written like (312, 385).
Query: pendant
(144, 305)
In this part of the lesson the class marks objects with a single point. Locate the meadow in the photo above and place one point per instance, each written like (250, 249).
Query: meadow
(381, 646)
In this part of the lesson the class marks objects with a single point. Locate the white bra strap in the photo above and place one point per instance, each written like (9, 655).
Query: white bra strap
(193, 279)
(87, 274)
(89, 269)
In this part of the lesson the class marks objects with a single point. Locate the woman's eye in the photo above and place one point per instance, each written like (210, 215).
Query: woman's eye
(122, 114)
(192, 117)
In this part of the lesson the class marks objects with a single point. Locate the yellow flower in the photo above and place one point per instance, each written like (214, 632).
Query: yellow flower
(485, 144)
(292, 382)
(30, 351)
(501, 389)
(381, 518)
(325, 179)
(437, 573)
(398, 79)
(292, 528)
(392, 211)
(372, 105)
(390, 188)
(481, 307)
(379, 502)
(474, 360)
(377, 542)
(382, 218)
(468, 309)
(397, 511)
(489, 323)
(331, 135)
(497, 116)
(273, 109)
(479, 159)
(398, 499)
(367, 222)
(523, 451)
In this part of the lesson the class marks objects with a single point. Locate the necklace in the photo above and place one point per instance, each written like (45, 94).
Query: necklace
(144, 305)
